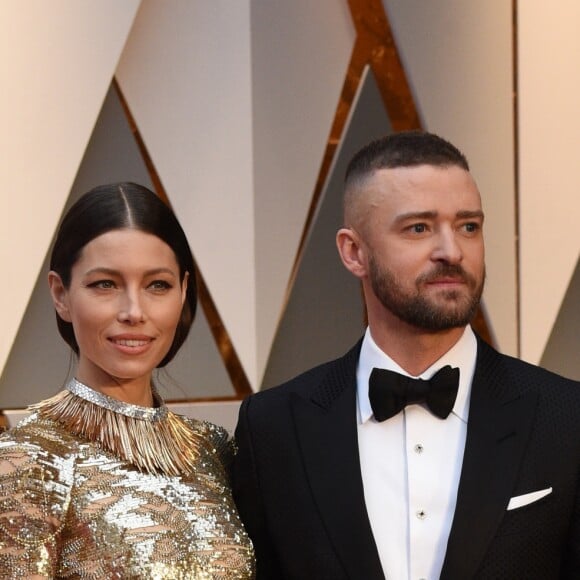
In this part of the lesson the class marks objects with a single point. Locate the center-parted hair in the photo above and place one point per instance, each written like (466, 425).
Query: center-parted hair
(123, 206)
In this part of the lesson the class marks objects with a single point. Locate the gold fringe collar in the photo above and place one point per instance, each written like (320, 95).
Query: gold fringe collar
(153, 439)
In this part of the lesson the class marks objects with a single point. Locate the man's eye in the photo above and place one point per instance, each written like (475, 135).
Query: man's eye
(471, 227)
(418, 228)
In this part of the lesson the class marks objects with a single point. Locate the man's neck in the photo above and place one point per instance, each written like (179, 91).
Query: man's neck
(413, 349)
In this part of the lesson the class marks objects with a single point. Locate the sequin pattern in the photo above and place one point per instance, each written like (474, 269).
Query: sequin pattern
(69, 509)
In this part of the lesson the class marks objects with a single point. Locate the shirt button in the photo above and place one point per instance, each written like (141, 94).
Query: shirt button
(421, 514)
(419, 449)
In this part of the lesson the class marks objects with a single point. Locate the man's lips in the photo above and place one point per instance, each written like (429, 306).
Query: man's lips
(446, 280)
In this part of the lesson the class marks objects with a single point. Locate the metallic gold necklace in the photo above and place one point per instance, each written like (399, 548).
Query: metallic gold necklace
(153, 439)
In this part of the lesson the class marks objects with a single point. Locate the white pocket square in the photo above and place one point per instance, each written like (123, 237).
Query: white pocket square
(519, 501)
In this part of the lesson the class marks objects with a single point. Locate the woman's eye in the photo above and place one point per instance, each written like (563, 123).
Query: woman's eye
(160, 285)
(102, 284)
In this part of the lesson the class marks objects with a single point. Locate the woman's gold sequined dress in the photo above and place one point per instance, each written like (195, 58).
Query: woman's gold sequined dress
(108, 490)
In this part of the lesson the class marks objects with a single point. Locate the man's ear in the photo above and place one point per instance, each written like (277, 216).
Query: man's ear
(59, 295)
(352, 252)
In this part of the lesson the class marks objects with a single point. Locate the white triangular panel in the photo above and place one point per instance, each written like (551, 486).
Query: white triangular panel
(300, 56)
(459, 61)
(325, 314)
(186, 76)
(549, 84)
(561, 353)
(112, 155)
(238, 142)
(57, 62)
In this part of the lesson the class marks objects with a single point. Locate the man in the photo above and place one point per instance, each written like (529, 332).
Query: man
(478, 475)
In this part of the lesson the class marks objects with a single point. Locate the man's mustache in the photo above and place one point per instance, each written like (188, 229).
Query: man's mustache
(443, 270)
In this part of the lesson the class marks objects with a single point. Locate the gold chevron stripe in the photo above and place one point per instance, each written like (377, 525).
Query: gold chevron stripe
(374, 46)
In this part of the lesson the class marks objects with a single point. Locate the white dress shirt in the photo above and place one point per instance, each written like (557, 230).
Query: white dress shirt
(411, 465)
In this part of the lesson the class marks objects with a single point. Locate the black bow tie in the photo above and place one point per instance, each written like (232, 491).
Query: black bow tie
(390, 392)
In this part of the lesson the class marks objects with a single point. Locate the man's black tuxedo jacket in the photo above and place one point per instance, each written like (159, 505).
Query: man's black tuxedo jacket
(298, 486)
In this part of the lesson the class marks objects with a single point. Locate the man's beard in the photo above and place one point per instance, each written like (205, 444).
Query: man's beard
(453, 309)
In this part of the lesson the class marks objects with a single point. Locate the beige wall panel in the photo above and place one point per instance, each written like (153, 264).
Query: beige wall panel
(186, 75)
(325, 315)
(57, 60)
(561, 352)
(458, 58)
(549, 84)
(300, 55)
(197, 371)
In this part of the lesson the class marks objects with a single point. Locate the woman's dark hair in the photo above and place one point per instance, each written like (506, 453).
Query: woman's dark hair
(118, 206)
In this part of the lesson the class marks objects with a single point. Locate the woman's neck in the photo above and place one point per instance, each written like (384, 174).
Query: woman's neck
(135, 392)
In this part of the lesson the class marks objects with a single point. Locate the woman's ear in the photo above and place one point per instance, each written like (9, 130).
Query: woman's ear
(352, 252)
(184, 288)
(59, 295)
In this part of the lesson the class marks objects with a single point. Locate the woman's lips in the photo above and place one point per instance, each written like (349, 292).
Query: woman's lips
(131, 344)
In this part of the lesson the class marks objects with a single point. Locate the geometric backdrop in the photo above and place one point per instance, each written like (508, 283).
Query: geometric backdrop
(242, 114)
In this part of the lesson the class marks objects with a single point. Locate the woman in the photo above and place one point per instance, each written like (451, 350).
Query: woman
(101, 480)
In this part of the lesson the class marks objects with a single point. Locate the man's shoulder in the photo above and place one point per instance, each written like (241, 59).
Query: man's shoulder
(526, 374)
(304, 382)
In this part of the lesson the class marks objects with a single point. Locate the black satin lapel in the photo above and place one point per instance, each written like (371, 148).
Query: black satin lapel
(328, 440)
(498, 429)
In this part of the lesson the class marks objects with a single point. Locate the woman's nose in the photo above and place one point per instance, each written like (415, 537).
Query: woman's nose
(130, 308)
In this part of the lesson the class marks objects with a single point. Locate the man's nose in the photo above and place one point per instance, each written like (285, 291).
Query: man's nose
(447, 248)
